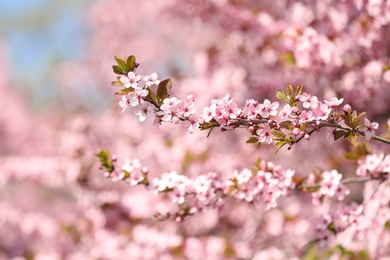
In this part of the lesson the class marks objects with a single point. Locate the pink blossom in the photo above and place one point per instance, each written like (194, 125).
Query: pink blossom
(306, 116)
(143, 111)
(334, 102)
(124, 103)
(369, 128)
(135, 171)
(267, 108)
(151, 79)
(136, 97)
(321, 111)
(249, 110)
(347, 108)
(309, 101)
(264, 134)
(189, 107)
(172, 108)
(285, 112)
(208, 113)
(131, 80)
(192, 123)
(374, 165)
(331, 185)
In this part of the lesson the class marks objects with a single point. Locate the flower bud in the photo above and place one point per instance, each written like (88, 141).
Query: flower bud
(347, 108)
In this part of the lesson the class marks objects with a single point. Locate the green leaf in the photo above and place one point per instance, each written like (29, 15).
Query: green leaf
(360, 150)
(338, 134)
(118, 70)
(116, 83)
(187, 160)
(287, 58)
(298, 91)
(252, 140)
(125, 91)
(280, 144)
(287, 125)
(278, 134)
(229, 252)
(207, 125)
(121, 63)
(258, 163)
(387, 224)
(331, 228)
(363, 255)
(352, 138)
(105, 160)
(164, 88)
(151, 97)
(356, 121)
(351, 156)
(311, 253)
(209, 133)
(347, 119)
(130, 63)
(282, 96)
(289, 91)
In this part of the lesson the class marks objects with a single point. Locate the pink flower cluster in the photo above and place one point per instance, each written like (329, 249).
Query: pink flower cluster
(348, 217)
(136, 97)
(221, 110)
(131, 171)
(258, 118)
(196, 193)
(175, 111)
(374, 166)
(267, 184)
(369, 128)
(330, 186)
(318, 110)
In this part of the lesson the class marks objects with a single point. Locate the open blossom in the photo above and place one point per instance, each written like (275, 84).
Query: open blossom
(221, 110)
(172, 108)
(267, 185)
(306, 116)
(192, 123)
(334, 102)
(136, 97)
(189, 107)
(249, 110)
(131, 80)
(321, 111)
(143, 111)
(264, 134)
(225, 109)
(348, 217)
(151, 79)
(331, 185)
(374, 165)
(369, 128)
(308, 100)
(268, 109)
(123, 103)
(135, 170)
(285, 112)
(208, 113)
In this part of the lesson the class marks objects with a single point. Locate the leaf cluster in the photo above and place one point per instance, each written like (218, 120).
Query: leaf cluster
(105, 160)
(124, 67)
(290, 96)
